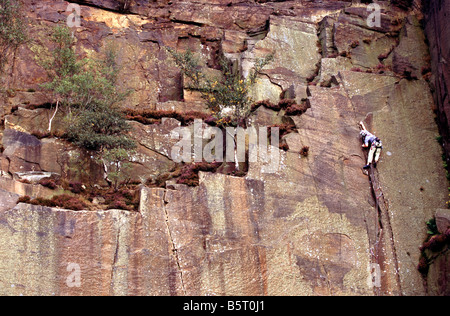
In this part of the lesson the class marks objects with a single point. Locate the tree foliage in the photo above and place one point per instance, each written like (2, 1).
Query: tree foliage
(228, 95)
(116, 162)
(99, 129)
(80, 84)
(12, 29)
(88, 93)
(87, 90)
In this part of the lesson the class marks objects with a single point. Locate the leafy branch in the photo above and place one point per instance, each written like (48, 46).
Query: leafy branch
(12, 29)
(228, 95)
(86, 90)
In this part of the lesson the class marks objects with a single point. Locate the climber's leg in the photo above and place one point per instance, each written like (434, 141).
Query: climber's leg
(377, 155)
(370, 157)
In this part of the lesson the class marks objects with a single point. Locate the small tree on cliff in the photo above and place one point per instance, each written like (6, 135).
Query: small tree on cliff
(79, 85)
(86, 89)
(12, 29)
(61, 67)
(227, 96)
(116, 162)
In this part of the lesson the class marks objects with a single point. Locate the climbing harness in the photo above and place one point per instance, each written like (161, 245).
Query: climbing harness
(372, 142)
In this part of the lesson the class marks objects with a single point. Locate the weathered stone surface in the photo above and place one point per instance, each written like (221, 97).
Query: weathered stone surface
(295, 46)
(393, 107)
(442, 220)
(411, 56)
(7, 200)
(368, 55)
(172, 236)
(326, 36)
(244, 232)
(147, 162)
(22, 151)
(185, 106)
(439, 275)
(60, 233)
(18, 188)
(266, 117)
(293, 226)
(36, 121)
(234, 42)
(438, 34)
(36, 176)
(330, 67)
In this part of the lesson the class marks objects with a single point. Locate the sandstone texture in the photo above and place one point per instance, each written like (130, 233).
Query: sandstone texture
(311, 224)
(437, 35)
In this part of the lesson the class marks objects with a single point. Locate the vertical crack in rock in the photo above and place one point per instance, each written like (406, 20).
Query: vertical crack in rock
(385, 225)
(349, 98)
(172, 243)
(326, 277)
(116, 254)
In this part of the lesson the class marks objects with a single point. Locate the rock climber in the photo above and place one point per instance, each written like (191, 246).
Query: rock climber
(370, 140)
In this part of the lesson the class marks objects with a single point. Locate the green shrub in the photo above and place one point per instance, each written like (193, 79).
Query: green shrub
(86, 90)
(100, 127)
(117, 161)
(12, 29)
(228, 95)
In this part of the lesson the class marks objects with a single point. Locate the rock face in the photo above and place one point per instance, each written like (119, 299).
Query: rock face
(298, 225)
(24, 152)
(437, 35)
